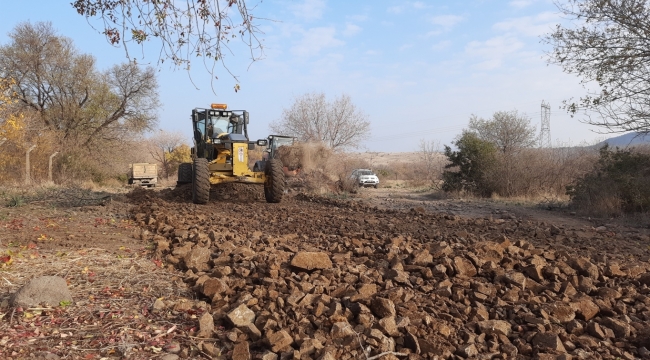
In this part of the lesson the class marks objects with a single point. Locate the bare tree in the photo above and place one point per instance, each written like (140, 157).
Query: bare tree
(606, 43)
(163, 144)
(509, 131)
(184, 29)
(83, 106)
(432, 161)
(338, 124)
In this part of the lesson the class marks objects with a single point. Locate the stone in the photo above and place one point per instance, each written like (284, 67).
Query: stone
(241, 316)
(252, 331)
(269, 355)
(206, 326)
(389, 326)
(170, 357)
(585, 308)
(534, 272)
(422, 258)
(516, 278)
(279, 340)
(241, 351)
(411, 342)
(467, 351)
(383, 307)
(614, 270)
(365, 292)
(464, 267)
(399, 276)
(510, 350)
(309, 347)
(197, 259)
(341, 330)
(46, 290)
(620, 328)
(584, 267)
(562, 312)
(548, 341)
(213, 286)
(608, 293)
(212, 350)
(594, 329)
(308, 260)
(158, 305)
(495, 327)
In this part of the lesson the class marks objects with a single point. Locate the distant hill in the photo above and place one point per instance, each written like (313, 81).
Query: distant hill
(625, 140)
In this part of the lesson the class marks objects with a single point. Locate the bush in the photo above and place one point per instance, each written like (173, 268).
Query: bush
(619, 183)
(473, 162)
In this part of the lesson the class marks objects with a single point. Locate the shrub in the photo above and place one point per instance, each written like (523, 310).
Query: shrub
(619, 183)
(473, 162)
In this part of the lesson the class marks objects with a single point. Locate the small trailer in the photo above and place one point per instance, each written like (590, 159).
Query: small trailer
(143, 174)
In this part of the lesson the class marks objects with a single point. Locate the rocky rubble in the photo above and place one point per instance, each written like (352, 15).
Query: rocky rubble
(310, 279)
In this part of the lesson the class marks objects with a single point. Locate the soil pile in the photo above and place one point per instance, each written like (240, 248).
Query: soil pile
(319, 278)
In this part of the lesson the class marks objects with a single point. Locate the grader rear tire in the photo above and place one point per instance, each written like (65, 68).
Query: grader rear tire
(184, 174)
(274, 185)
(200, 181)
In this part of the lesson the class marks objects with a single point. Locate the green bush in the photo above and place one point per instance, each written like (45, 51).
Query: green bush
(619, 183)
(470, 166)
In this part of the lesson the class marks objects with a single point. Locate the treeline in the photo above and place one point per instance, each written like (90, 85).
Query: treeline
(497, 157)
(54, 100)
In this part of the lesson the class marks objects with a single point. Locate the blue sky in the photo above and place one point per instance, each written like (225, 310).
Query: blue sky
(419, 69)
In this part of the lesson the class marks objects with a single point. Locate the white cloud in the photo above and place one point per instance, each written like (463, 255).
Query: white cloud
(308, 10)
(314, 40)
(530, 25)
(420, 5)
(395, 9)
(351, 30)
(358, 18)
(492, 52)
(520, 4)
(441, 45)
(446, 21)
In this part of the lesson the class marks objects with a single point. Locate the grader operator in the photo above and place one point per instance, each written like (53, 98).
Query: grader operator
(220, 155)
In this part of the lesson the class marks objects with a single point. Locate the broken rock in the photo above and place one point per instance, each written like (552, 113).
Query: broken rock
(308, 260)
(495, 327)
(50, 290)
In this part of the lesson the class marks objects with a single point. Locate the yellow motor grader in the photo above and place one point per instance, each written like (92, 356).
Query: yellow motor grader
(220, 155)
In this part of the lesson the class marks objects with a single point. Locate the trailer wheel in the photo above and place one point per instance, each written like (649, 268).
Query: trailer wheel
(201, 181)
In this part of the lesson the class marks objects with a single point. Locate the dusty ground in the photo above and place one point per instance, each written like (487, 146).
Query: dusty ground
(118, 259)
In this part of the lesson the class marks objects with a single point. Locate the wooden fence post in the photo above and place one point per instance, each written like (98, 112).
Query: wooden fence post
(49, 169)
(28, 178)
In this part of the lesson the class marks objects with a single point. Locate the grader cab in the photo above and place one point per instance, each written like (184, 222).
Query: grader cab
(220, 155)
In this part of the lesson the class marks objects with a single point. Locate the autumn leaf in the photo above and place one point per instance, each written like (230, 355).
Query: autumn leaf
(6, 260)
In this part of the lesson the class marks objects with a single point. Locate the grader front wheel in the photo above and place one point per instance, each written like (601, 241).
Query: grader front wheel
(274, 185)
(200, 181)
(184, 173)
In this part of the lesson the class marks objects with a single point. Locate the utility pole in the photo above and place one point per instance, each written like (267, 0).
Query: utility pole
(545, 130)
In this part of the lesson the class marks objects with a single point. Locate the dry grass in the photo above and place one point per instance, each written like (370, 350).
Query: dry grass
(111, 315)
